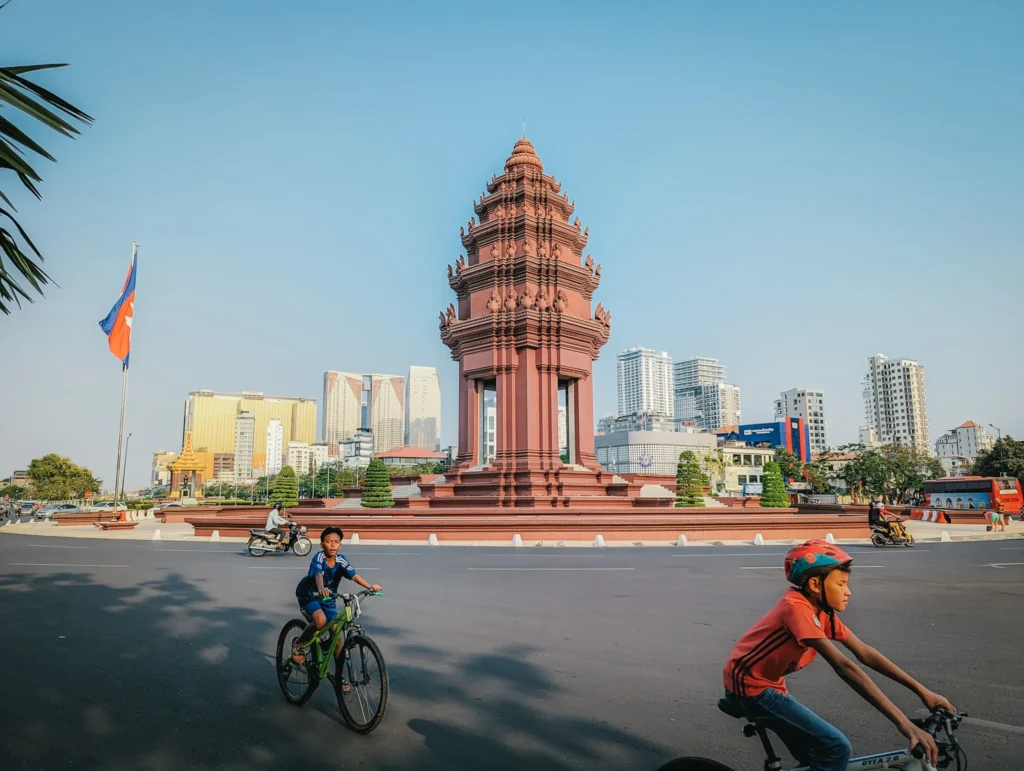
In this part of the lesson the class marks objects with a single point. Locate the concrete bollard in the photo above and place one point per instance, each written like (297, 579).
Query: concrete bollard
(599, 541)
(517, 540)
(215, 536)
(829, 538)
(758, 540)
(432, 540)
(560, 543)
(681, 541)
(354, 540)
(156, 535)
(945, 538)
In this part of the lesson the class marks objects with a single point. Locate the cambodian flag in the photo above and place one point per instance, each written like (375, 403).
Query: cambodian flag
(118, 324)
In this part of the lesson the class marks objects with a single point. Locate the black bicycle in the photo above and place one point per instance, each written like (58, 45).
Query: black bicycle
(940, 724)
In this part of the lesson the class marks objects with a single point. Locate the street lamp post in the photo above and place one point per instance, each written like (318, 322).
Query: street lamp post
(999, 440)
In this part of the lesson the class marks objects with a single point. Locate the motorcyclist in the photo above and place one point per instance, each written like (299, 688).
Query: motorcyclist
(277, 517)
(884, 521)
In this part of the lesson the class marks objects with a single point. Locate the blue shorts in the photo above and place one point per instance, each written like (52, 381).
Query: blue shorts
(309, 607)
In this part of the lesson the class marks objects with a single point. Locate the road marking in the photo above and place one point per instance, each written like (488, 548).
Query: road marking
(518, 553)
(737, 554)
(208, 551)
(54, 546)
(780, 567)
(62, 565)
(546, 569)
(386, 553)
(1011, 548)
(1000, 565)
(291, 567)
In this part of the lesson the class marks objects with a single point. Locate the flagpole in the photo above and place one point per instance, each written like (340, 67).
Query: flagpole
(120, 430)
(120, 434)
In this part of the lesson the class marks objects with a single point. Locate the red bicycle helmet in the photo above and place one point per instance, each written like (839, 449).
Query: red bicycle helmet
(813, 558)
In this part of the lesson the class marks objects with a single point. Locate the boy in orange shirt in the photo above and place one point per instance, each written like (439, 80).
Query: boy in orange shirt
(800, 626)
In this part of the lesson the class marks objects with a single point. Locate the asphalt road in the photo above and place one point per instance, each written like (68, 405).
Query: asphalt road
(158, 655)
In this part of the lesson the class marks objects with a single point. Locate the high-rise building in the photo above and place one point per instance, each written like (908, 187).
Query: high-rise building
(895, 404)
(645, 382)
(275, 447)
(343, 393)
(162, 474)
(703, 396)
(245, 440)
(808, 404)
(698, 371)
(374, 402)
(224, 467)
(423, 408)
(211, 417)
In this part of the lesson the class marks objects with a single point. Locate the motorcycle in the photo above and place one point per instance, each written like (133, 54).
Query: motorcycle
(261, 542)
(897, 536)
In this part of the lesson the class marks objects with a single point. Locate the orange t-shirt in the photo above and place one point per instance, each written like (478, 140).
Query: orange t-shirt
(776, 645)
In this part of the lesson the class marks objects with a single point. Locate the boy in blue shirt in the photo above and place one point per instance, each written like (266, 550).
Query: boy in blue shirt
(315, 589)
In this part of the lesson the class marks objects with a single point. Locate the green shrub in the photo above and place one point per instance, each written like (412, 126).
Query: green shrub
(689, 482)
(377, 486)
(773, 489)
(286, 488)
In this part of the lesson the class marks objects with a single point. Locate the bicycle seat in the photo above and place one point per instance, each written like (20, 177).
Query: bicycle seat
(731, 708)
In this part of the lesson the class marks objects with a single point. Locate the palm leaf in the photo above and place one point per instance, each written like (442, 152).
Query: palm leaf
(20, 268)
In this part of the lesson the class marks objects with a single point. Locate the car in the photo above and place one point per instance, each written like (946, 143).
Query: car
(162, 506)
(47, 512)
(108, 506)
(27, 507)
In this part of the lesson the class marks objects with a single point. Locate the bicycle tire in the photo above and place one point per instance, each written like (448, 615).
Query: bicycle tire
(254, 550)
(360, 646)
(302, 547)
(694, 764)
(285, 667)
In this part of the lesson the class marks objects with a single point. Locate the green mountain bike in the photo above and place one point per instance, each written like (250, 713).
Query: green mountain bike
(344, 655)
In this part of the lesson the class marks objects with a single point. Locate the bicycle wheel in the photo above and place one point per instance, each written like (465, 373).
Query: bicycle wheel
(363, 672)
(297, 681)
(302, 547)
(257, 547)
(693, 764)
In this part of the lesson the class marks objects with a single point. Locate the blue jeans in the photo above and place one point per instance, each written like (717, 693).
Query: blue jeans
(814, 742)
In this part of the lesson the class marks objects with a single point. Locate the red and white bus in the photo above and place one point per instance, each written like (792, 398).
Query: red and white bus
(973, 494)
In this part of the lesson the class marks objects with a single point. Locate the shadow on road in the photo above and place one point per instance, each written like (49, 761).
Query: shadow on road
(162, 676)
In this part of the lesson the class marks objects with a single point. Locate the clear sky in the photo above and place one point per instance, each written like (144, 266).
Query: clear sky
(790, 187)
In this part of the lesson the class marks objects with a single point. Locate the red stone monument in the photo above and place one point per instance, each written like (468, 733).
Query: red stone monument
(525, 337)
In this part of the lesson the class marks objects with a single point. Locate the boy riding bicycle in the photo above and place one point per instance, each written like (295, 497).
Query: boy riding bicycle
(800, 626)
(315, 590)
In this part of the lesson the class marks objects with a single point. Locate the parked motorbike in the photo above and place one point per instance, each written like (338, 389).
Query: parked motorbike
(261, 542)
(897, 536)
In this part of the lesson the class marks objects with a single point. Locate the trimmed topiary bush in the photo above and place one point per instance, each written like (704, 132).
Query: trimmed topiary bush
(377, 486)
(286, 488)
(773, 489)
(689, 481)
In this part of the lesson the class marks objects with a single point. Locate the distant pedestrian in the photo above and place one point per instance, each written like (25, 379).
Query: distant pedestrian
(1001, 510)
(995, 519)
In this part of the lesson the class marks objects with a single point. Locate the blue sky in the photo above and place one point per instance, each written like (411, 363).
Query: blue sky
(788, 187)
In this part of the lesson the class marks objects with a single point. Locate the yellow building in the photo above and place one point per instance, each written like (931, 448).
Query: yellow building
(210, 417)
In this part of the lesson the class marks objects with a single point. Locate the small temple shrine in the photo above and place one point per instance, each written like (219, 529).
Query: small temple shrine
(187, 472)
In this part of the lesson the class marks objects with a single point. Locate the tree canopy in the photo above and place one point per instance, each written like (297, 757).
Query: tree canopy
(55, 478)
(893, 472)
(285, 490)
(1005, 459)
(790, 466)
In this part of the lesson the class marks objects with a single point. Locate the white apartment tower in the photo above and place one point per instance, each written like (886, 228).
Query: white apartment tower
(895, 404)
(702, 395)
(809, 404)
(245, 444)
(965, 441)
(423, 408)
(645, 382)
(275, 446)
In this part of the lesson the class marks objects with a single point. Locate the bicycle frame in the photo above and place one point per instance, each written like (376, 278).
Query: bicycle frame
(341, 628)
(898, 760)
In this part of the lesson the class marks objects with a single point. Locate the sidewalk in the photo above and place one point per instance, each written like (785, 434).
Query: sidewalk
(924, 532)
